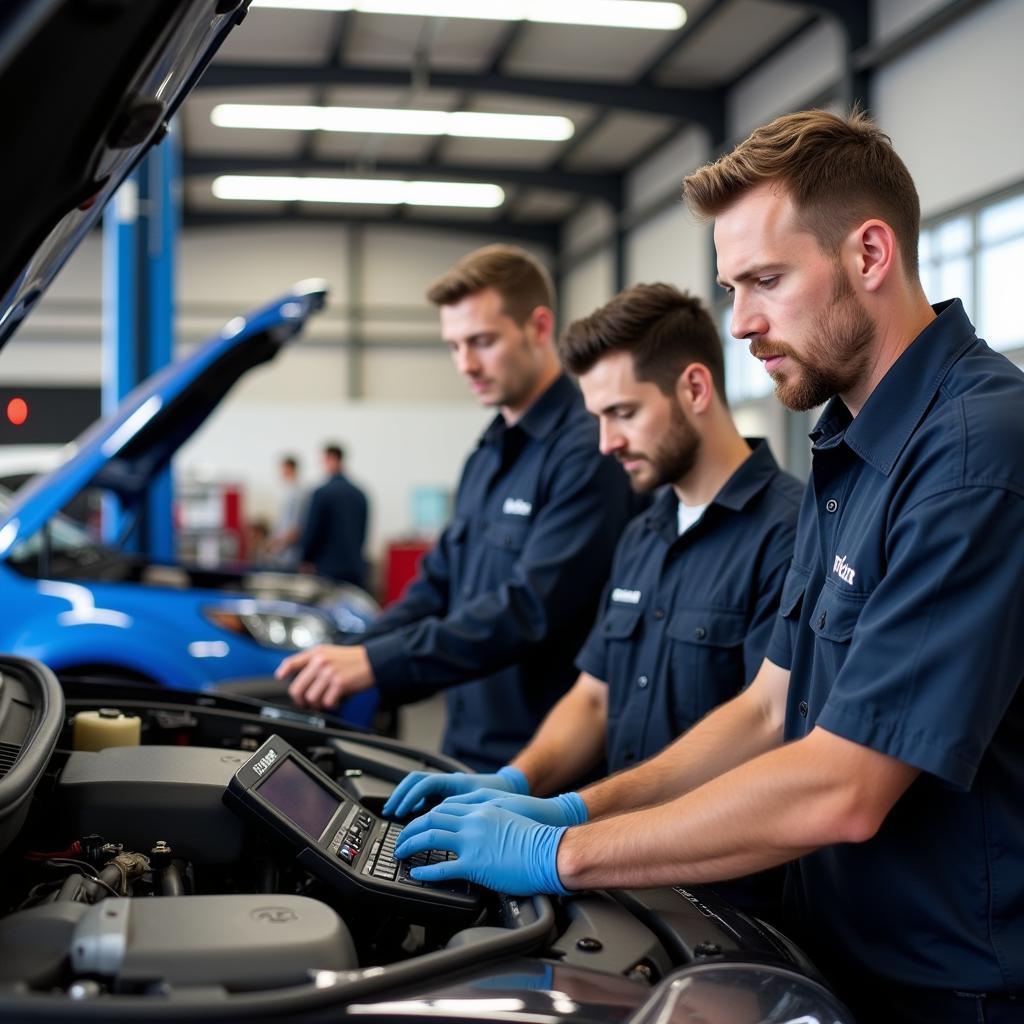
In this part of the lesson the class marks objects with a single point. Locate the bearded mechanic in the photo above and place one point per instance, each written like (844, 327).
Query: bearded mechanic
(880, 748)
(506, 596)
(696, 580)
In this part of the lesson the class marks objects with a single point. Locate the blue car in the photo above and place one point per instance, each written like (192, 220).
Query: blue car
(89, 610)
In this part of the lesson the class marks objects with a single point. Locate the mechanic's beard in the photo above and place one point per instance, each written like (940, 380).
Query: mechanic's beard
(674, 457)
(837, 354)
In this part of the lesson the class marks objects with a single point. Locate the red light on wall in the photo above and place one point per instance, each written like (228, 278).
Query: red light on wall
(17, 411)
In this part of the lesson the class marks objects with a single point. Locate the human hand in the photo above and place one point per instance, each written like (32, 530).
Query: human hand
(417, 787)
(326, 673)
(494, 847)
(564, 809)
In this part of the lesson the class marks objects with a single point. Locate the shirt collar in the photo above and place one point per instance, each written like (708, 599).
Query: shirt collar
(541, 419)
(899, 401)
(749, 479)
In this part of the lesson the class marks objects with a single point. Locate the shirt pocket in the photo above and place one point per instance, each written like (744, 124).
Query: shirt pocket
(705, 660)
(833, 621)
(793, 588)
(619, 629)
(507, 537)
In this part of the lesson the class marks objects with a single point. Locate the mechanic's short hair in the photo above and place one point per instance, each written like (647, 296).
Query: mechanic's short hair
(663, 329)
(334, 451)
(839, 171)
(520, 279)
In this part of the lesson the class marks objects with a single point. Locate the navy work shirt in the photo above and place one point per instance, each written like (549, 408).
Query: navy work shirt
(335, 531)
(686, 618)
(504, 600)
(902, 624)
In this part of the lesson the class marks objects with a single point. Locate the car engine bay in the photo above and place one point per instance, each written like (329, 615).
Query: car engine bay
(132, 888)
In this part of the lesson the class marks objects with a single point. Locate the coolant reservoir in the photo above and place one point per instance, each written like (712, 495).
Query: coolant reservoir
(107, 727)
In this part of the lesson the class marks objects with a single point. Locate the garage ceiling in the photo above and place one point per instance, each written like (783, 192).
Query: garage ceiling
(626, 91)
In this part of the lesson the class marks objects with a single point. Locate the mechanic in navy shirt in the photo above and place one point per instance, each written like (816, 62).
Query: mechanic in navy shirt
(696, 580)
(335, 529)
(881, 744)
(504, 600)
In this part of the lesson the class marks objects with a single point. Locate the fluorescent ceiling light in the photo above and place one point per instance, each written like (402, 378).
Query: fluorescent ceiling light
(463, 124)
(653, 14)
(371, 191)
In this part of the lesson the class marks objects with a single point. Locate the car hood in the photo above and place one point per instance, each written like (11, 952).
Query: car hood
(124, 451)
(87, 87)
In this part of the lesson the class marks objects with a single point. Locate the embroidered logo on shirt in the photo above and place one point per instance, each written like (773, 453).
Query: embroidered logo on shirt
(843, 569)
(517, 507)
(622, 596)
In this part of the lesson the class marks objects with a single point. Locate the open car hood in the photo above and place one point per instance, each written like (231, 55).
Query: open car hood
(87, 86)
(124, 451)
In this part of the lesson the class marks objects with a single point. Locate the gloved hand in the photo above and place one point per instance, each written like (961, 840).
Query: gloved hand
(564, 809)
(417, 787)
(495, 847)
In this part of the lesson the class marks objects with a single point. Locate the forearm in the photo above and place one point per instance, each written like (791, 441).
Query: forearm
(549, 762)
(730, 735)
(811, 793)
(765, 812)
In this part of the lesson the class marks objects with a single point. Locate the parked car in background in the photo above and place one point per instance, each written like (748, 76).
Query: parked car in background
(89, 609)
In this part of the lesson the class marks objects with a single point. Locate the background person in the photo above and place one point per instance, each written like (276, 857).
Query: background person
(881, 745)
(696, 580)
(335, 530)
(504, 600)
(283, 542)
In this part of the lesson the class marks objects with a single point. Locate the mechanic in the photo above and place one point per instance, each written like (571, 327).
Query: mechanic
(696, 581)
(504, 600)
(881, 745)
(335, 530)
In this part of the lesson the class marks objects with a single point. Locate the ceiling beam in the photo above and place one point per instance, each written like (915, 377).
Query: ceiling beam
(541, 233)
(681, 35)
(601, 186)
(706, 107)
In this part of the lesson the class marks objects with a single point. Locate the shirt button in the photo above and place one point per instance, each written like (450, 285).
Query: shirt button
(803, 708)
(831, 505)
(700, 632)
(821, 620)
(659, 613)
(642, 681)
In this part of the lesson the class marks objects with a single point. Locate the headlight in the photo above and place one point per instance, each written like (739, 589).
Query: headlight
(280, 630)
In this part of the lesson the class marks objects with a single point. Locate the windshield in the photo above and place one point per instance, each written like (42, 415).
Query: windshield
(66, 538)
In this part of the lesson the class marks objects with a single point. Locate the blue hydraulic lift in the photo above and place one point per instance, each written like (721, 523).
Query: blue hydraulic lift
(139, 234)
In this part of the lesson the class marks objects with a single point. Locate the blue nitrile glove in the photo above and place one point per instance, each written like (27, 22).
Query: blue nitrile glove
(417, 787)
(495, 847)
(564, 809)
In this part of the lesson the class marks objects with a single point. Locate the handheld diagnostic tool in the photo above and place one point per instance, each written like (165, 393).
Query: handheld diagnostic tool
(334, 836)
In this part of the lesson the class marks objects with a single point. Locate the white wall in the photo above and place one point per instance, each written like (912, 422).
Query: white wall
(588, 284)
(673, 245)
(952, 107)
(786, 82)
(391, 448)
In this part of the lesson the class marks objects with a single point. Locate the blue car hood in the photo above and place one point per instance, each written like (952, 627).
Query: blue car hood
(86, 89)
(124, 451)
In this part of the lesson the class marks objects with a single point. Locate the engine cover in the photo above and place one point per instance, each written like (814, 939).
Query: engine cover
(242, 942)
(137, 795)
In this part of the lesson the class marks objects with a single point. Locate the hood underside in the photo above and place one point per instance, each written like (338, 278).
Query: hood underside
(87, 86)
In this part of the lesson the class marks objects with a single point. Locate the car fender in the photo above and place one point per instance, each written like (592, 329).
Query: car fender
(137, 649)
